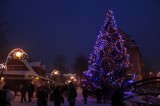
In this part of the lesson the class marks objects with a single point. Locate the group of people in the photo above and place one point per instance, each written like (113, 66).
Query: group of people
(6, 96)
(101, 93)
(56, 94)
(24, 89)
(105, 93)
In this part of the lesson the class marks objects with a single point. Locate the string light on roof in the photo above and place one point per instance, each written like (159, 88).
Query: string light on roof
(158, 75)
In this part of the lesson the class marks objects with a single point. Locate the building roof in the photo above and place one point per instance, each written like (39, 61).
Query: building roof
(29, 65)
(129, 43)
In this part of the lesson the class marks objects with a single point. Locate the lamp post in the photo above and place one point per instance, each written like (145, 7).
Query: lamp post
(55, 74)
(15, 53)
(18, 54)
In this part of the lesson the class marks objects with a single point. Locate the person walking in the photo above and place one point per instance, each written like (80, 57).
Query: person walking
(23, 90)
(118, 97)
(30, 92)
(62, 93)
(98, 94)
(104, 93)
(72, 94)
(85, 93)
(41, 96)
(57, 96)
(7, 95)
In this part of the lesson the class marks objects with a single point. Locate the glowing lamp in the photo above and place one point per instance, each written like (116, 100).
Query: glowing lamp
(56, 72)
(2, 79)
(37, 78)
(69, 81)
(72, 77)
(18, 54)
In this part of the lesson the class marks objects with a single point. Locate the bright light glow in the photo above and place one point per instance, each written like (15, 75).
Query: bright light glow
(18, 54)
(2, 79)
(69, 81)
(2, 66)
(56, 73)
(72, 77)
(37, 78)
(75, 79)
(150, 73)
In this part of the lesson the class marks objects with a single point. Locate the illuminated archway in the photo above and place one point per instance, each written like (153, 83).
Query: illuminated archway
(16, 53)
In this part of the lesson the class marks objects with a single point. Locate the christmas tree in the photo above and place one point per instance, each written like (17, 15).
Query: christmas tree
(109, 61)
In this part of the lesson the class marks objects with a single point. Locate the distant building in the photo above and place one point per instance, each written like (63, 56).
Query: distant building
(24, 72)
(135, 55)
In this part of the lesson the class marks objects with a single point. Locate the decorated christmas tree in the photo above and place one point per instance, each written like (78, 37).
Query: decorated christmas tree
(109, 61)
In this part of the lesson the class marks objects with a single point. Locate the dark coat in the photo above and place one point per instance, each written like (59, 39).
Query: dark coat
(85, 92)
(118, 98)
(57, 96)
(98, 93)
(23, 90)
(41, 96)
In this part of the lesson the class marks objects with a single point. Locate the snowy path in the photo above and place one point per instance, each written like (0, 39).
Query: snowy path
(79, 102)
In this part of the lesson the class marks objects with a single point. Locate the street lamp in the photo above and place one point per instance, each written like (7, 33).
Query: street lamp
(15, 53)
(72, 77)
(37, 78)
(55, 75)
(18, 54)
(55, 72)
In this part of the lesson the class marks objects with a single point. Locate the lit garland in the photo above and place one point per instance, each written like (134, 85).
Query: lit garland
(109, 61)
(69, 75)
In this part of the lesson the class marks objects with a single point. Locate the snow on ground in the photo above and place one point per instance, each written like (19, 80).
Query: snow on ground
(79, 101)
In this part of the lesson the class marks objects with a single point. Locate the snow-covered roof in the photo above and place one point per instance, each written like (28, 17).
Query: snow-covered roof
(19, 72)
(37, 63)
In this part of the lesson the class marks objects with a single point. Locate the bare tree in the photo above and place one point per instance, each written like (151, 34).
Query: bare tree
(3, 40)
(80, 65)
(60, 63)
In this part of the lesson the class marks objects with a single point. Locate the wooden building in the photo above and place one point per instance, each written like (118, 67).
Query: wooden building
(24, 72)
(135, 55)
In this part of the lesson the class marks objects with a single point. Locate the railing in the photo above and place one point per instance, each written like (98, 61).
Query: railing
(150, 86)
